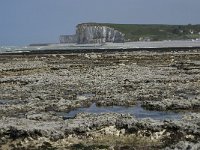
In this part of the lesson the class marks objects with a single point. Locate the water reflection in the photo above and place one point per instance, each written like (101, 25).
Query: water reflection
(136, 111)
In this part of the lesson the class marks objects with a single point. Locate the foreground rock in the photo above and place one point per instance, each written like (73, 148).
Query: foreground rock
(86, 127)
(35, 89)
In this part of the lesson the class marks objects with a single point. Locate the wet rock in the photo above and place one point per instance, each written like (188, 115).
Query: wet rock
(111, 130)
(107, 123)
(33, 89)
(172, 104)
(42, 116)
(21, 128)
(192, 118)
(184, 145)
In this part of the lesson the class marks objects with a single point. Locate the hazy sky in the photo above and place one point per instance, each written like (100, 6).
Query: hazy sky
(36, 21)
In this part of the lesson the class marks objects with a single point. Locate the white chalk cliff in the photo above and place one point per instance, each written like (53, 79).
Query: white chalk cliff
(93, 33)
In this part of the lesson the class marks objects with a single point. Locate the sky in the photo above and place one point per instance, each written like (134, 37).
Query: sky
(42, 21)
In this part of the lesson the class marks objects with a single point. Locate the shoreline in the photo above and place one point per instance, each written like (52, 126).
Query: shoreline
(102, 50)
(160, 46)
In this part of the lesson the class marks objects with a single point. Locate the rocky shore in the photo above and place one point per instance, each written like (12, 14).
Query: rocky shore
(35, 89)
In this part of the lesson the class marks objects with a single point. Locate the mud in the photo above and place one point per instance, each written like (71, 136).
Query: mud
(34, 89)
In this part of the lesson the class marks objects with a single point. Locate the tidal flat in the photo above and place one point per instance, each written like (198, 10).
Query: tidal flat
(100, 100)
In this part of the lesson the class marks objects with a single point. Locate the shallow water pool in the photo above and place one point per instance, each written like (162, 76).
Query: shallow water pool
(136, 111)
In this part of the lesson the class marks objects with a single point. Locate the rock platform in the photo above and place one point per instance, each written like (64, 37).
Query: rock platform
(35, 88)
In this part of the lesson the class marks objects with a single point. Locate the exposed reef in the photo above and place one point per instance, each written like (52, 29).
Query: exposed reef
(36, 89)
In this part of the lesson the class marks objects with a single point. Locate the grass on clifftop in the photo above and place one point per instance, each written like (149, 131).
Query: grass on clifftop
(156, 32)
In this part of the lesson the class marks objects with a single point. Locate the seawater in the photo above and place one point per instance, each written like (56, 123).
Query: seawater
(11, 49)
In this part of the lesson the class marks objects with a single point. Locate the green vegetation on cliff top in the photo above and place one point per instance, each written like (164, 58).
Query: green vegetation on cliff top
(156, 32)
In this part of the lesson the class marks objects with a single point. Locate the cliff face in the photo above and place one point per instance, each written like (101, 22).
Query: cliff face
(92, 33)
(68, 39)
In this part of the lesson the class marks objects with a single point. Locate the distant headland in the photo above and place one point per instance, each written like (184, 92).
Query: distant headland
(89, 33)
